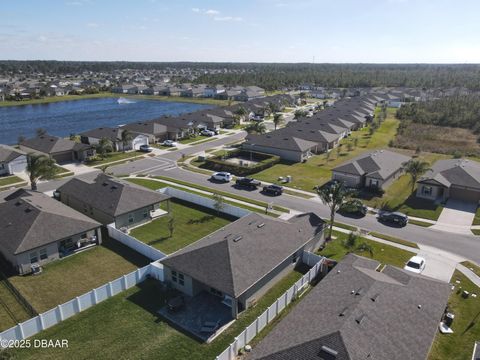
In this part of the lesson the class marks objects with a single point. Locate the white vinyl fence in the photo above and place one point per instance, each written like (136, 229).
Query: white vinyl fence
(204, 201)
(135, 244)
(269, 314)
(80, 303)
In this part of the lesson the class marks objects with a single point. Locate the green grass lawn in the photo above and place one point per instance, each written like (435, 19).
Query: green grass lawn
(466, 325)
(116, 156)
(318, 169)
(394, 239)
(9, 180)
(385, 254)
(64, 279)
(127, 326)
(475, 231)
(472, 267)
(192, 223)
(476, 219)
(11, 311)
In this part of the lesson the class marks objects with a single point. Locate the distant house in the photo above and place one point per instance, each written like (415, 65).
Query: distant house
(457, 179)
(125, 89)
(156, 132)
(241, 261)
(110, 200)
(374, 170)
(93, 137)
(12, 160)
(60, 149)
(37, 229)
(356, 312)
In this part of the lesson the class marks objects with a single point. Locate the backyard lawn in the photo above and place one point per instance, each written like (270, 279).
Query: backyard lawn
(11, 311)
(466, 327)
(192, 223)
(128, 326)
(385, 254)
(64, 279)
(115, 156)
(318, 169)
(476, 219)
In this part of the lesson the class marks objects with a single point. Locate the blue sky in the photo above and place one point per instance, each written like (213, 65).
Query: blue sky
(439, 31)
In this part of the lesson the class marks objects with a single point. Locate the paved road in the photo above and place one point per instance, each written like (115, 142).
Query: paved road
(467, 246)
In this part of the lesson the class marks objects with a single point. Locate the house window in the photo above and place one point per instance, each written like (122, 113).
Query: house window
(174, 276)
(43, 254)
(181, 279)
(427, 190)
(294, 258)
(145, 214)
(2, 166)
(83, 236)
(33, 257)
(373, 183)
(130, 218)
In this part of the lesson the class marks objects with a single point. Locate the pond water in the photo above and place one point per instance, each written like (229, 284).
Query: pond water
(67, 117)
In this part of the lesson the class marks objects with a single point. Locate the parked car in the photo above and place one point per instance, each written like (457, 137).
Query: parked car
(222, 176)
(416, 264)
(215, 131)
(145, 148)
(207, 133)
(248, 183)
(169, 143)
(393, 217)
(273, 189)
(353, 207)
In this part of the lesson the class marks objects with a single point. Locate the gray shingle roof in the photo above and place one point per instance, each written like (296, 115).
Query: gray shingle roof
(49, 144)
(150, 128)
(380, 319)
(458, 172)
(8, 153)
(111, 196)
(379, 164)
(234, 258)
(31, 219)
(281, 139)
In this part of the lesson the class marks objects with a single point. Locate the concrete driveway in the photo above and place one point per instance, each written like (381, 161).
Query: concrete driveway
(457, 217)
(439, 264)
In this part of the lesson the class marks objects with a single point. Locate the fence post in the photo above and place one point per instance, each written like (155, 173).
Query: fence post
(20, 327)
(79, 305)
(42, 321)
(60, 312)
(276, 307)
(125, 282)
(110, 289)
(231, 352)
(95, 296)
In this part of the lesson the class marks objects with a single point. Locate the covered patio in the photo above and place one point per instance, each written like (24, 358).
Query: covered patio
(204, 315)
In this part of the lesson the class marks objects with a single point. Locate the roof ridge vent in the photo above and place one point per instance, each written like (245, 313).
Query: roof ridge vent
(344, 310)
(359, 291)
(359, 318)
(260, 225)
(237, 238)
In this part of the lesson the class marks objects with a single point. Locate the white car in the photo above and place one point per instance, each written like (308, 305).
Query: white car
(222, 176)
(416, 264)
(169, 143)
(207, 133)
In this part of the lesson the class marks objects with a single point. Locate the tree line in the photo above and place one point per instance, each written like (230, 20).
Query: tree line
(461, 111)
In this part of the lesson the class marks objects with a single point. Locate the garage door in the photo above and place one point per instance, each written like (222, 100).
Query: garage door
(63, 157)
(349, 180)
(464, 194)
(139, 141)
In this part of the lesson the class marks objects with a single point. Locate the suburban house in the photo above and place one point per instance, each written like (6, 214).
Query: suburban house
(125, 89)
(288, 147)
(371, 170)
(37, 229)
(241, 261)
(457, 179)
(60, 149)
(109, 200)
(356, 312)
(154, 131)
(12, 160)
(93, 137)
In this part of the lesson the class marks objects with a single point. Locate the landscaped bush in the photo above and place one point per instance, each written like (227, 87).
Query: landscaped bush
(219, 163)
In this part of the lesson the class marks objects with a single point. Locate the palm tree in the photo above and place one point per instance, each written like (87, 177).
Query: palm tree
(241, 112)
(350, 243)
(299, 113)
(277, 119)
(334, 196)
(104, 146)
(415, 168)
(257, 127)
(271, 108)
(40, 167)
(126, 137)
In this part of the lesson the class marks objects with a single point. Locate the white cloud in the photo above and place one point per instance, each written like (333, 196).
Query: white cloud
(228, 18)
(92, 25)
(212, 12)
(42, 38)
(196, 10)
